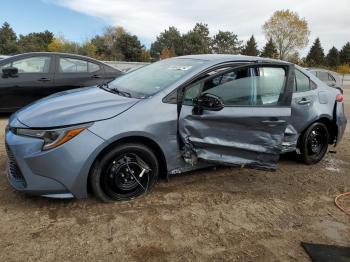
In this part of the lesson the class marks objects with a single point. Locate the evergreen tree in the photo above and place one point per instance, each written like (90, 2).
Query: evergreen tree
(8, 38)
(251, 48)
(344, 54)
(332, 57)
(316, 54)
(197, 41)
(102, 50)
(269, 50)
(225, 42)
(35, 42)
(203, 31)
(169, 39)
(130, 46)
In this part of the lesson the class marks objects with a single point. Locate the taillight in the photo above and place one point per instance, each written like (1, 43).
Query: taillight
(339, 98)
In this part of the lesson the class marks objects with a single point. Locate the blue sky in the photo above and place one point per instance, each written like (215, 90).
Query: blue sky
(79, 20)
(27, 16)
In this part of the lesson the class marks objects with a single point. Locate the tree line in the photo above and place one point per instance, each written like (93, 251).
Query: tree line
(114, 44)
(285, 31)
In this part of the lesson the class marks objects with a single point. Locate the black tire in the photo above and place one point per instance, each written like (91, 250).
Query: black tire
(314, 143)
(125, 172)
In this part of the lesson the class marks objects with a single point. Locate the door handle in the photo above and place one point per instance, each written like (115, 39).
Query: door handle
(273, 122)
(96, 76)
(44, 79)
(304, 101)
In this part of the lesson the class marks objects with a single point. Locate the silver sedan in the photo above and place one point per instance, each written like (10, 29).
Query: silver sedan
(170, 117)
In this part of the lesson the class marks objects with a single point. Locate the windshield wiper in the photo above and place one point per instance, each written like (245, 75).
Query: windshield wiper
(106, 87)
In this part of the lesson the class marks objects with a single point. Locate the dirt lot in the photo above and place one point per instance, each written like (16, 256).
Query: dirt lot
(226, 214)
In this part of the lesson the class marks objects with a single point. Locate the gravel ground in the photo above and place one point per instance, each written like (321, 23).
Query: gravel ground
(227, 214)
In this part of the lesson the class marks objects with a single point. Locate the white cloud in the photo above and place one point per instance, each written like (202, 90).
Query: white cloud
(328, 19)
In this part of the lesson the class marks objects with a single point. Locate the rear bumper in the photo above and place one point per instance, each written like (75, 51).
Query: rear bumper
(341, 121)
(61, 172)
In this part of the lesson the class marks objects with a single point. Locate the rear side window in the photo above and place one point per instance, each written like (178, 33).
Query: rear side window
(322, 76)
(71, 65)
(92, 67)
(256, 86)
(37, 64)
(302, 82)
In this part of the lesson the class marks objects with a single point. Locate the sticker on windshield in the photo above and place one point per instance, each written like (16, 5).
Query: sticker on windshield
(182, 68)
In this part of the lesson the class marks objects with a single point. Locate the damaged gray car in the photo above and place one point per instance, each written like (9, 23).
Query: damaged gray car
(170, 117)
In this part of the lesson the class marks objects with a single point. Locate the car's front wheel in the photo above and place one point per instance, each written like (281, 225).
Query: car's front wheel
(124, 172)
(314, 143)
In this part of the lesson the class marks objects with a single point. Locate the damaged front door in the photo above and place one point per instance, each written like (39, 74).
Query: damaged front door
(238, 116)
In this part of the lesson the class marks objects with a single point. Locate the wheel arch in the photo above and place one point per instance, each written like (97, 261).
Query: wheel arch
(332, 128)
(329, 123)
(150, 143)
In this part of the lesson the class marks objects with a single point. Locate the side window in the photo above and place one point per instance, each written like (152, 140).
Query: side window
(193, 90)
(260, 86)
(322, 76)
(313, 72)
(270, 83)
(191, 93)
(92, 67)
(71, 65)
(302, 81)
(37, 64)
(4, 66)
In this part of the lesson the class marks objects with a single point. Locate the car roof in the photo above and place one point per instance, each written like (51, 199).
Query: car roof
(51, 53)
(58, 53)
(321, 69)
(226, 58)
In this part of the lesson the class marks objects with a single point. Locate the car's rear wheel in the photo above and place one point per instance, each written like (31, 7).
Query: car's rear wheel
(125, 172)
(314, 143)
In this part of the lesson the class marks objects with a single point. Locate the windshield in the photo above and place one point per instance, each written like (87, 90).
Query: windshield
(151, 79)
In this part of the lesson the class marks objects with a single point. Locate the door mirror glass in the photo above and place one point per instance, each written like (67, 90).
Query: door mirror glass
(207, 102)
(9, 72)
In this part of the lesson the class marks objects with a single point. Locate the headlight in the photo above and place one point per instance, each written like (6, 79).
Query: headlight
(54, 137)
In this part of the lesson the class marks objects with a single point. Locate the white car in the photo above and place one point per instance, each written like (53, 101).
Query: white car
(331, 78)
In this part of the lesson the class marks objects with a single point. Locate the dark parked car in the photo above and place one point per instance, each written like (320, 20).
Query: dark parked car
(28, 77)
(3, 57)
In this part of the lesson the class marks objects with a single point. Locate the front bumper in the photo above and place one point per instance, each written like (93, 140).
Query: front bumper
(61, 172)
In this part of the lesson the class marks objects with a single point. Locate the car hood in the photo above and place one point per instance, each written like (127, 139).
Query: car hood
(74, 107)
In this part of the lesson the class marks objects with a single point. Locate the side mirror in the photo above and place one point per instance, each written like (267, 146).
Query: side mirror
(9, 72)
(207, 102)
